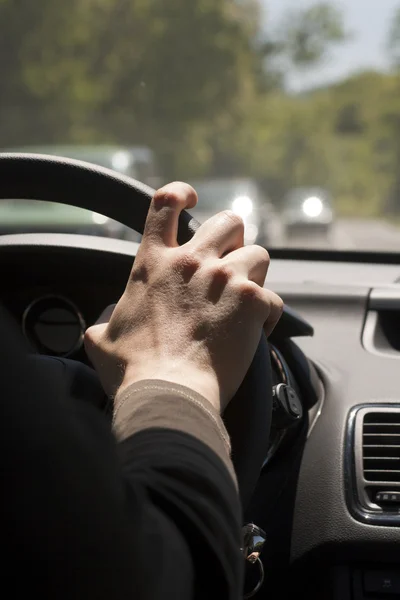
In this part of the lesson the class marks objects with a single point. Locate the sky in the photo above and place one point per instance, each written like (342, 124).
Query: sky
(367, 20)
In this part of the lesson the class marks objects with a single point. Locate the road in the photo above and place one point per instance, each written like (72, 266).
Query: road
(349, 234)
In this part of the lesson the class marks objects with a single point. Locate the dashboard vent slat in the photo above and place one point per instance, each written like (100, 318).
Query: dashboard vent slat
(381, 447)
(380, 439)
(384, 428)
(376, 451)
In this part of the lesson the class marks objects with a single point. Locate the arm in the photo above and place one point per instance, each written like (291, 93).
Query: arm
(156, 512)
(190, 316)
(174, 444)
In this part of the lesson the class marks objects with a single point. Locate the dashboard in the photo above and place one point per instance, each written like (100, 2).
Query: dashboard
(331, 532)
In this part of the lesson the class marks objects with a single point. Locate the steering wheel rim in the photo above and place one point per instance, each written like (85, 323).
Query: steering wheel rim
(88, 186)
(57, 179)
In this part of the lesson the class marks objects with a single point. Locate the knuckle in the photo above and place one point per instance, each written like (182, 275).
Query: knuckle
(185, 189)
(95, 336)
(274, 305)
(140, 271)
(187, 263)
(174, 195)
(221, 272)
(274, 314)
(234, 220)
(264, 256)
(277, 303)
(90, 338)
(97, 343)
(250, 291)
(191, 261)
(166, 196)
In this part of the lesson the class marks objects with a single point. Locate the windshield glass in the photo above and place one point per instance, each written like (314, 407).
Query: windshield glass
(292, 106)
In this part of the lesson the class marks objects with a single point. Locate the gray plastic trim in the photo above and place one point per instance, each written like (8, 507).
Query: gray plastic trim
(385, 298)
(374, 340)
(68, 240)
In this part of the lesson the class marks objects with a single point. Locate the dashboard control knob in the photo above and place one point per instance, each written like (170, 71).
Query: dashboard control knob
(293, 403)
(286, 406)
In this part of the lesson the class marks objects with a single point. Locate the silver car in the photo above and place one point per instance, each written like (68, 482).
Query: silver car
(242, 196)
(307, 211)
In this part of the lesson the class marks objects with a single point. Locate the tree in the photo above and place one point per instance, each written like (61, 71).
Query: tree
(144, 71)
(393, 118)
(202, 84)
(308, 34)
(393, 41)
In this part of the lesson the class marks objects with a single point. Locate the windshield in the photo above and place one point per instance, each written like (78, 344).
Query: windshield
(290, 105)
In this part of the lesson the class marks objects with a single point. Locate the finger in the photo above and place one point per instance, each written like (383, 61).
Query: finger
(163, 216)
(275, 313)
(250, 261)
(220, 234)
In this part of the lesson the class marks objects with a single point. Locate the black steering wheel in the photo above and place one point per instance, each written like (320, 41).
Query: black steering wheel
(53, 179)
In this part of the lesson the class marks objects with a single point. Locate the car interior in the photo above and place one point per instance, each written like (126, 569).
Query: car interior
(315, 426)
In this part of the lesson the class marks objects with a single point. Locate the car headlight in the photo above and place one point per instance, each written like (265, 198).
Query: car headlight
(120, 161)
(250, 233)
(312, 206)
(99, 219)
(242, 206)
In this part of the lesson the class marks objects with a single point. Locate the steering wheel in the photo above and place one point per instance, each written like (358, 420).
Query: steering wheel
(91, 187)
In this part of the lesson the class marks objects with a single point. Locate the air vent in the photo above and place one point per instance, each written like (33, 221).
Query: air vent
(381, 447)
(373, 463)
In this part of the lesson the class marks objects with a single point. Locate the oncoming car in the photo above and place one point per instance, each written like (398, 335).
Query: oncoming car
(244, 197)
(307, 211)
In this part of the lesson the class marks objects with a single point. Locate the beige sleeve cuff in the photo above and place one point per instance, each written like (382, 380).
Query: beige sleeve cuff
(161, 404)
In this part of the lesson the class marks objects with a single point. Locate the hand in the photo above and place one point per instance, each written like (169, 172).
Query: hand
(190, 314)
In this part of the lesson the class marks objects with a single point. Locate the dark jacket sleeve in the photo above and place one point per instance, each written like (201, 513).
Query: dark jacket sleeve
(152, 515)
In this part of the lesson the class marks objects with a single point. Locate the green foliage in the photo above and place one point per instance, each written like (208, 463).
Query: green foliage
(142, 71)
(394, 38)
(309, 32)
(203, 85)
